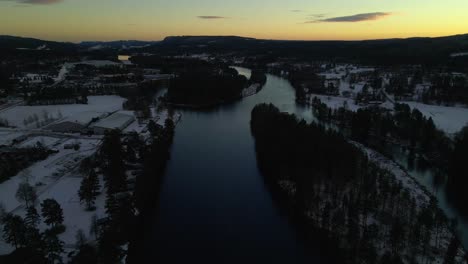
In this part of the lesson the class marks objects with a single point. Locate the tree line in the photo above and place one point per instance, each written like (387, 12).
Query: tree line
(343, 197)
(426, 144)
(132, 168)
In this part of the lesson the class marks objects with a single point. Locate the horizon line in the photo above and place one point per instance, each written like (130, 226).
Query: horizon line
(238, 36)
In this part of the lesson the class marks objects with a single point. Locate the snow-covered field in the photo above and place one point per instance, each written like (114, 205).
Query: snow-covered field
(7, 137)
(336, 102)
(449, 119)
(54, 177)
(18, 114)
(75, 216)
(48, 142)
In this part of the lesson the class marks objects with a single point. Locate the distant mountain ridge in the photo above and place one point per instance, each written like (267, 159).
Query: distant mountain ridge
(118, 44)
(411, 50)
(13, 42)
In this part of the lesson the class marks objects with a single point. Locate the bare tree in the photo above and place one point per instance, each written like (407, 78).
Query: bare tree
(27, 194)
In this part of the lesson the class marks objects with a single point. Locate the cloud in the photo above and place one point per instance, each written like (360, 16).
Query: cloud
(35, 2)
(212, 17)
(296, 11)
(353, 18)
(317, 16)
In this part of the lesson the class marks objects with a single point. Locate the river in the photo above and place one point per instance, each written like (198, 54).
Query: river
(428, 178)
(214, 206)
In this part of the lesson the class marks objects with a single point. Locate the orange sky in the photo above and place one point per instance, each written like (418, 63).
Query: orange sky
(76, 20)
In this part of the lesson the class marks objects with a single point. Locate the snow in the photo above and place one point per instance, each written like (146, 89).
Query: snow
(48, 142)
(43, 47)
(449, 119)
(8, 136)
(117, 120)
(97, 47)
(460, 54)
(102, 104)
(420, 193)
(75, 216)
(336, 102)
(55, 177)
(84, 118)
(251, 90)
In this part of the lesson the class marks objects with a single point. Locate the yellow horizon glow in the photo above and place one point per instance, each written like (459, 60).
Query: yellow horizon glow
(86, 20)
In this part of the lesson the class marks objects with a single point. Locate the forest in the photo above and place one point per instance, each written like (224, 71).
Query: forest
(426, 145)
(201, 87)
(336, 190)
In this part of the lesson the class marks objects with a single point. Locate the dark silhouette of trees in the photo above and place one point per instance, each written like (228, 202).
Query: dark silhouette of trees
(52, 213)
(89, 189)
(14, 230)
(32, 217)
(331, 185)
(53, 247)
(86, 254)
(111, 155)
(457, 175)
(206, 87)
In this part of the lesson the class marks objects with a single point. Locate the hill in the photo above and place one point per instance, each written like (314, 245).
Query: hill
(411, 50)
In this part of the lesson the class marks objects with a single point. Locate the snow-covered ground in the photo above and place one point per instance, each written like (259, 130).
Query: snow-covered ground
(251, 90)
(460, 54)
(8, 136)
(449, 119)
(419, 192)
(336, 102)
(47, 142)
(54, 177)
(75, 216)
(18, 114)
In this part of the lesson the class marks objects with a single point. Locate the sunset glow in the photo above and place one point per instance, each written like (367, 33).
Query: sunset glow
(73, 20)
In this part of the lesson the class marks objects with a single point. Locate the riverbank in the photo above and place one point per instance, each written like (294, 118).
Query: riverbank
(249, 91)
(214, 206)
(364, 202)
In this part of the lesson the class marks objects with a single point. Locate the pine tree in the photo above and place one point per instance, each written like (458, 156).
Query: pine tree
(34, 239)
(89, 189)
(32, 218)
(14, 230)
(53, 247)
(52, 212)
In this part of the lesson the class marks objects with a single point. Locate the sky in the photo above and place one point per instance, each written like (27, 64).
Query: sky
(86, 20)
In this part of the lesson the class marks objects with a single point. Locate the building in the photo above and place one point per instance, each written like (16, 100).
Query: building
(76, 123)
(118, 120)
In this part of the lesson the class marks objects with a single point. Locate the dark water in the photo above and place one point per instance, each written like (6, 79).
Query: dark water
(428, 178)
(214, 206)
